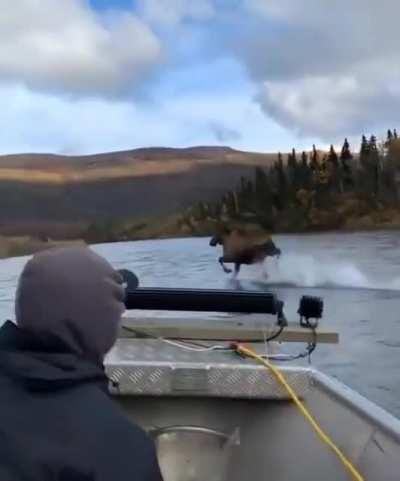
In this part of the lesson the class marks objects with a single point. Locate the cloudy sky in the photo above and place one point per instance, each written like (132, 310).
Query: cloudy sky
(83, 76)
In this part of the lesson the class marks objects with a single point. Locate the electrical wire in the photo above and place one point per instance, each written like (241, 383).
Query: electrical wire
(183, 345)
(244, 351)
(275, 335)
(186, 345)
(195, 346)
(307, 353)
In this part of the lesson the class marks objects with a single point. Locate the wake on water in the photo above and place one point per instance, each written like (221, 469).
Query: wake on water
(294, 270)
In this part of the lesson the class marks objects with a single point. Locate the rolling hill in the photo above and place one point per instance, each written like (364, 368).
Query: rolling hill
(60, 194)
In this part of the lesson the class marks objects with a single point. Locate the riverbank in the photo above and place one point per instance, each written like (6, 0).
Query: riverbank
(318, 221)
(178, 226)
(25, 245)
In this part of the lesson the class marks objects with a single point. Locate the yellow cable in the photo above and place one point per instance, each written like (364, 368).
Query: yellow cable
(322, 435)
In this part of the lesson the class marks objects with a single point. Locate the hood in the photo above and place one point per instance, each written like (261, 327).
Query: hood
(74, 295)
(28, 360)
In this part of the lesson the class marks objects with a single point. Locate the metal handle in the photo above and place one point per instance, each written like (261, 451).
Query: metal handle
(232, 438)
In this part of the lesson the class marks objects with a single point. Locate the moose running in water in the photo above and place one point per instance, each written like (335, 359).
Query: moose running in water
(240, 248)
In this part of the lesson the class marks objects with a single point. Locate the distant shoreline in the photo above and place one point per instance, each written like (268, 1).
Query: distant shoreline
(25, 245)
(18, 246)
(166, 193)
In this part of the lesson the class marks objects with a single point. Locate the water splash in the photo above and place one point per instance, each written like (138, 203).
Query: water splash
(294, 270)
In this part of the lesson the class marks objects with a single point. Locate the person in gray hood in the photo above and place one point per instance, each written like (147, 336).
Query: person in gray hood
(57, 421)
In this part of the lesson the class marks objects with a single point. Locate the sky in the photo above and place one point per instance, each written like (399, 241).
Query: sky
(86, 76)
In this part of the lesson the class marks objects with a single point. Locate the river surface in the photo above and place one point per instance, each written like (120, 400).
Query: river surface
(358, 275)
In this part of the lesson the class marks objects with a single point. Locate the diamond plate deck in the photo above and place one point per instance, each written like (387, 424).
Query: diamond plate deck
(153, 368)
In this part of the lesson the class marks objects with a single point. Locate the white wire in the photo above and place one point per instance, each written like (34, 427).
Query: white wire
(185, 347)
(194, 349)
(182, 345)
(277, 357)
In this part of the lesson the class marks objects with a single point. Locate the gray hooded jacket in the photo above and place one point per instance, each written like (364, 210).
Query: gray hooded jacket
(57, 420)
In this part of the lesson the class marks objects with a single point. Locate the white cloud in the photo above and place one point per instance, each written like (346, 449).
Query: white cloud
(330, 107)
(64, 45)
(38, 122)
(321, 70)
(326, 69)
(172, 12)
(49, 123)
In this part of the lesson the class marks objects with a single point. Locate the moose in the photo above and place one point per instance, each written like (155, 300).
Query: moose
(241, 247)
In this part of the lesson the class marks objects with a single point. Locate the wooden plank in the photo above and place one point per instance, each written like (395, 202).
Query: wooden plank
(168, 329)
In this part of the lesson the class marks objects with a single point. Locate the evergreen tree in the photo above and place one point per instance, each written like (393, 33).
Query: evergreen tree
(372, 144)
(369, 162)
(281, 192)
(292, 160)
(388, 142)
(332, 157)
(310, 182)
(346, 155)
(305, 172)
(364, 150)
(293, 172)
(261, 189)
(321, 183)
(332, 166)
(294, 156)
(230, 204)
(314, 159)
(260, 180)
(323, 171)
(279, 164)
(314, 163)
(245, 193)
(389, 169)
(346, 158)
(263, 197)
(304, 160)
(374, 164)
(365, 177)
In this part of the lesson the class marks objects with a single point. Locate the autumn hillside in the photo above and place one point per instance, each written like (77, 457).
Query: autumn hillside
(60, 194)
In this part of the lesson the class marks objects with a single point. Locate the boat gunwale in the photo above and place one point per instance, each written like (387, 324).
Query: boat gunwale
(367, 409)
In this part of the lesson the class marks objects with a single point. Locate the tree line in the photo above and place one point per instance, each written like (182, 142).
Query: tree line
(300, 189)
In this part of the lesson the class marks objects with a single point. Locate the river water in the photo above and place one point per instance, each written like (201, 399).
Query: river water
(358, 275)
